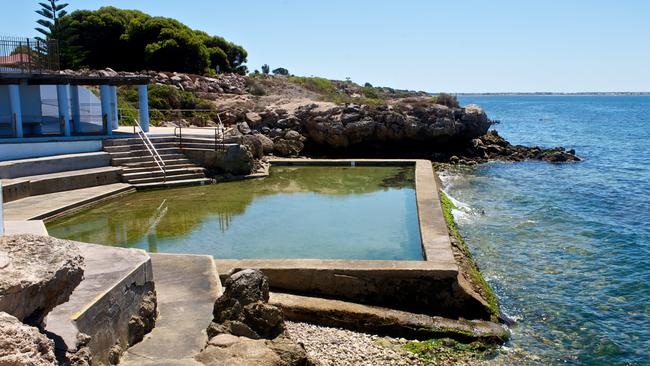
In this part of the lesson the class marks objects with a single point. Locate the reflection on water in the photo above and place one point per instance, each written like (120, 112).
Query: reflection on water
(297, 212)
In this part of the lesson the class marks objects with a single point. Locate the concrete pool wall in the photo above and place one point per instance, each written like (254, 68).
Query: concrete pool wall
(432, 286)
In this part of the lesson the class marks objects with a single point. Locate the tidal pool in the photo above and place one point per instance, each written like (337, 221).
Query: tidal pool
(296, 212)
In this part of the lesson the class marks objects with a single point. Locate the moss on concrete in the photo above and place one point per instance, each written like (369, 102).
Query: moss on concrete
(468, 266)
(447, 351)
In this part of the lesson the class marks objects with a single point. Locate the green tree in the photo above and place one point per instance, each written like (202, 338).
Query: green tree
(281, 71)
(266, 69)
(131, 40)
(51, 12)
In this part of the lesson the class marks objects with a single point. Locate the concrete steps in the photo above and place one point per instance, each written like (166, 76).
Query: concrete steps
(152, 164)
(130, 175)
(129, 169)
(125, 148)
(141, 153)
(168, 178)
(173, 184)
(142, 159)
(142, 171)
(136, 141)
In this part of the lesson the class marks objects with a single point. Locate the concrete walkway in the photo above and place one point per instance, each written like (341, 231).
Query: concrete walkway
(48, 205)
(186, 286)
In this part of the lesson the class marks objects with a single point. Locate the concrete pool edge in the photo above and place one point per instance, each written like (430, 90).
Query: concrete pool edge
(431, 286)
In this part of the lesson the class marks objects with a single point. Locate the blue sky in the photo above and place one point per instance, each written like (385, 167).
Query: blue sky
(453, 46)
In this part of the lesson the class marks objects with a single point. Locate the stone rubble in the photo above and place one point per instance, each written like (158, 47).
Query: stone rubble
(340, 347)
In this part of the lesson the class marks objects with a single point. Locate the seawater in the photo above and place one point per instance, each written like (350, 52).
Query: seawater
(565, 246)
(297, 212)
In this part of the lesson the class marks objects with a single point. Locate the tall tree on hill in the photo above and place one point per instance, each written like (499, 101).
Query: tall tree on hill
(266, 69)
(51, 13)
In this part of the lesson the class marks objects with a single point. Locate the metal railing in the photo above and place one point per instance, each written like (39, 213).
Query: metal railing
(28, 55)
(151, 149)
(219, 133)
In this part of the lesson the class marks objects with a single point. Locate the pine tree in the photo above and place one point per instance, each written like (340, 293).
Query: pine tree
(51, 13)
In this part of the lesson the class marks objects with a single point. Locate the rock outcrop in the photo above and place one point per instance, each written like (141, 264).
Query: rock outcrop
(39, 273)
(246, 330)
(491, 146)
(21, 344)
(338, 128)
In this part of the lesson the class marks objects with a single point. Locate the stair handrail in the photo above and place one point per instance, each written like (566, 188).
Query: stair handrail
(152, 150)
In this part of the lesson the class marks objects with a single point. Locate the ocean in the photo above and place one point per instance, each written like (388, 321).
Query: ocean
(565, 246)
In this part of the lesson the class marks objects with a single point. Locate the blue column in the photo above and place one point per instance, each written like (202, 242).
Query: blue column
(105, 96)
(2, 217)
(16, 110)
(76, 108)
(144, 107)
(115, 121)
(63, 97)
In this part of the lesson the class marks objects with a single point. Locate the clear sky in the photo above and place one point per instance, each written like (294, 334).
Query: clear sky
(452, 45)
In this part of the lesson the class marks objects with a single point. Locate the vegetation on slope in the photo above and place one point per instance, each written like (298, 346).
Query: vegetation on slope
(130, 40)
(163, 100)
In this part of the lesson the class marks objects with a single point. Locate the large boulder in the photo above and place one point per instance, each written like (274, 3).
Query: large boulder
(246, 330)
(226, 349)
(38, 273)
(284, 147)
(243, 309)
(267, 143)
(21, 344)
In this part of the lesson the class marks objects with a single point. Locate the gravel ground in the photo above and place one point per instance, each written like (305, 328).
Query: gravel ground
(339, 347)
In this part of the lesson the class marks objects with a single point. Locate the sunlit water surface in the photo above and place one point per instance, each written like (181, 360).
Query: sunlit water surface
(566, 246)
(297, 212)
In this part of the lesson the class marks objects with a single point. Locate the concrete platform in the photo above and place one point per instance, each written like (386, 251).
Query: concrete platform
(48, 206)
(36, 227)
(115, 281)
(187, 287)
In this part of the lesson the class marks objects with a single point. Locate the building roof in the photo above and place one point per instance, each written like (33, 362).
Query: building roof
(72, 79)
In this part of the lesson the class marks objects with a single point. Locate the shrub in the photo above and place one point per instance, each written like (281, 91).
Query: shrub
(281, 71)
(447, 99)
(255, 88)
(316, 84)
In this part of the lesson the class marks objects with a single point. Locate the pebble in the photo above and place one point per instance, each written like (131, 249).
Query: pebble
(340, 347)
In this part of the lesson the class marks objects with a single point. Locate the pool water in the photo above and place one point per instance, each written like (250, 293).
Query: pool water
(297, 212)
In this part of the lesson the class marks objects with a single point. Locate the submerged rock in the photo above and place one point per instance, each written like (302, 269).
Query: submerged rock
(21, 344)
(40, 273)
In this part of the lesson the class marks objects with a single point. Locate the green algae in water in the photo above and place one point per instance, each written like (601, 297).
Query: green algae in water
(297, 212)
